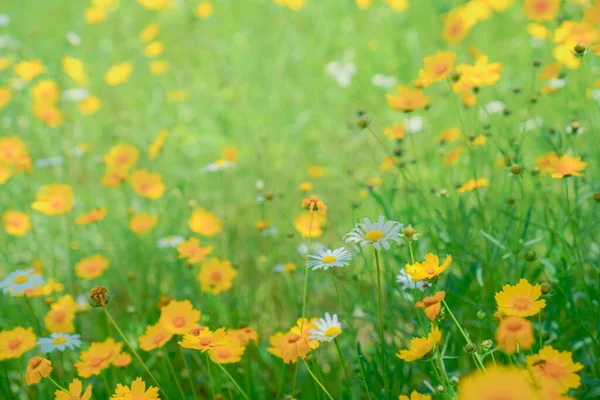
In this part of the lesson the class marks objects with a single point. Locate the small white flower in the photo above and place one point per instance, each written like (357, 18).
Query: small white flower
(384, 82)
(259, 185)
(169, 242)
(270, 231)
(495, 107)
(328, 328)
(407, 283)
(556, 84)
(413, 124)
(4, 19)
(377, 233)
(19, 281)
(530, 124)
(289, 267)
(329, 258)
(60, 342)
(75, 94)
(49, 162)
(73, 38)
(341, 72)
(219, 165)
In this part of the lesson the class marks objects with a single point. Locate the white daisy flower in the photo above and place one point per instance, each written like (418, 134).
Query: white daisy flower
(19, 281)
(556, 83)
(60, 342)
(270, 231)
(75, 94)
(169, 242)
(407, 283)
(413, 124)
(384, 82)
(378, 234)
(495, 107)
(342, 73)
(4, 20)
(49, 162)
(328, 328)
(219, 165)
(73, 38)
(530, 124)
(329, 258)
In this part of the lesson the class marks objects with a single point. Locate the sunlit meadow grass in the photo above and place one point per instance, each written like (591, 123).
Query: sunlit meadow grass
(250, 109)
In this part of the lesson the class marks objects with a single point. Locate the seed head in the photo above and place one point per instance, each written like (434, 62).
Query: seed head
(99, 296)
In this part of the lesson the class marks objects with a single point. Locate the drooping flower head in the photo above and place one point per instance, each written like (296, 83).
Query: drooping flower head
(429, 269)
(37, 368)
(432, 305)
(420, 347)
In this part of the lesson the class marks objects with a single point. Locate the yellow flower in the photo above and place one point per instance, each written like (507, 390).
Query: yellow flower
(227, 351)
(191, 250)
(305, 187)
(506, 383)
(316, 172)
(54, 199)
(563, 53)
(452, 156)
(555, 369)
(122, 360)
(415, 396)
(432, 305)
(479, 141)
(289, 346)
(395, 132)
(121, 157)
(14, 343)
(75, 389)
(48, 113)
(94, 15)
(204, 222)
(429, 269)
(203, 339)
(473, 184)
(295, 5)
(147, 184)
(177, 96)
(456, 26)
(154, 337)
(450, 135)
(118, 74)
(387, 164)
(97, 357)
(179, 317)
(480, 74)
(138, 387)
(92, 216)
(437, 67)
(159, 67)
(14, 153)
(407, 99)
(546, 162)
(538, 31)
(27, 70)
(541, 10)
(75, 70)
(88, 106)
(5, 96)
(61, 315)
(421, 347)
(312, 202)
(204, 10)
(5, 63)
(513, 332)
(590, 15)
(397, 5)
(244, 335)
(37, 368)
(46, 91)
(149, 32)
(520, 300)
(158, 144)
(566, 166)
(153, 4)
(142, 223)
(154, 49)
(16, 223)
(363, 4)
(498, 5)
(5, 174)
(216, 276)
(91, 267)
(308, 225)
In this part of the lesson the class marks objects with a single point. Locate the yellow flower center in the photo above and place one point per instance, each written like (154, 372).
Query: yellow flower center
(329, 259)
(333, 331)
(521, 303)
(374, 235)
(21, 279)
(59, 340)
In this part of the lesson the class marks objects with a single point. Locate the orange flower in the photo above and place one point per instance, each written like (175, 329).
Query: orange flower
(122, 360)
(179, 317)
(14, 343)
(567, 166)
(75, 389)
(289, 346)
(113, 178)
(437, 67)
(310, 224)
(216, 276)
(97, 357)
(54, 199)
(191, 250)
(545, 162)
(16, 223)
(204, 222)
(312, 202)
(453, 156)
(421, 347)
(551, 71)
(203, 339)
(407, 99)
(37, 368)
(432, 305)
(142, 223)
(147, 184)
(154, 337)
(514, 331)
(157, 144)
(94, 215)
(429, 269)
(473, 184)
(555, 369)
(61, 315)
(541, 10)
(520, 300)
(227, 351)
(244, 335)
(91, 267)
(48, 113)
(121, 157)
(456, 26)
(395, 132)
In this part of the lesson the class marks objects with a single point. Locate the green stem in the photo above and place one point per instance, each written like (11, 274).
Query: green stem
(212, 381)
(137, 356)
(38, 328)
(60, 387)
(172, 369)
(476, 357)
(280, 385)
(317, 380)
(191, 382)
(381, 327)
(362, 373)
(233, 381)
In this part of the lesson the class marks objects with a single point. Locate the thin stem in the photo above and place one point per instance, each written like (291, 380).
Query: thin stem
(280, 385)
(445, 376)
(412, 256)
(381, 327)
(342, 361)
(476, 357)
(191, 382)
(38, 328)
(317, 380)
(172, 369)
(60, 387)
(137, 356)
(362, 372)
(212, 381)
(540, 328)
(233, 381)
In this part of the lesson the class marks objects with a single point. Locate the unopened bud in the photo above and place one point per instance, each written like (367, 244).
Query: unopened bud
(536, 63)
(545, 288)
(580, 49)
(530, 255)
(409, 231)
(515, 169)
(597, 196)
(470, 348)
(481, 314)
(487, 344)
(268, 196)
(439, 389)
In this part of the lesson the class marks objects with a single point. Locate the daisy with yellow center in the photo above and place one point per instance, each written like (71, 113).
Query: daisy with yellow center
(59, 341)
(21, 281)
(520, 300)
(514, 334)
(326, 329)
(429, 269)
(555, 369)
(179, 317)
(498, 383)
(329, 258)
(420, 347)
(379, 234)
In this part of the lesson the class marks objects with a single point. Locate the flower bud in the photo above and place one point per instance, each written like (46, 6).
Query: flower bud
(439, 389)
(470, 348)
(409, 231)
(545, 288)
(597, 196)
(580, 49)
(487, 344)
(530, 255)
(536, 63)
(99, 296)
(481, 314)
(515, 169)
(535, 170)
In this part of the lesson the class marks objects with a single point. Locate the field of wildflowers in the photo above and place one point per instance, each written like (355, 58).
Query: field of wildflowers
(299, 199)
